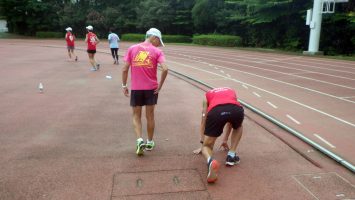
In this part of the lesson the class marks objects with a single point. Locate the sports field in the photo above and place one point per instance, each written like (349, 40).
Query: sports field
(75, 140)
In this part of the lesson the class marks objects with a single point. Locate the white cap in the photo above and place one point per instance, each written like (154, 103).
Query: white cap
(157, 33)
(90, 28)
(68, 29)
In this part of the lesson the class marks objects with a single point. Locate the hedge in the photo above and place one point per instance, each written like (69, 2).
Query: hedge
(133, 37)
(166, 38)
(176, 39)
(217, 40)
(44, 34)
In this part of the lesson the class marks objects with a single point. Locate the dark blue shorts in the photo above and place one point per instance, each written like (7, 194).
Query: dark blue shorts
(220, 115)
(143, 97)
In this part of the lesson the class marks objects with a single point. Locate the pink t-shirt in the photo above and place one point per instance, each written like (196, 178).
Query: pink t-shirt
(143, 59)
(219, 96)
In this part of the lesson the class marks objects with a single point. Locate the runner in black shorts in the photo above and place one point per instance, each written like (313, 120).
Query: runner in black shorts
(143, 97)
(220, 107)
(91, 51)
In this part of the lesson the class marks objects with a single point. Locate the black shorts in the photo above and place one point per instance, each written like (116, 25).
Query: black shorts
(91, 51)
(70, 47)
(143, 97)
(220, 115)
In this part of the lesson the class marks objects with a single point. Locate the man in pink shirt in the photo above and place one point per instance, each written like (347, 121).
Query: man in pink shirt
(221, 107)
(143, 59)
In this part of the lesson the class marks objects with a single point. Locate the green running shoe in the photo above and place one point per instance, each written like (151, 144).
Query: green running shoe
(150, 145)
(140, 148)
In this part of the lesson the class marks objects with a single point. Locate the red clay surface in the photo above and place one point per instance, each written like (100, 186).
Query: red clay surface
(75, 140)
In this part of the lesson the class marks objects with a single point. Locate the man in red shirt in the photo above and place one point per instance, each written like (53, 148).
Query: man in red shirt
(220, 107)
(69, 37)
(92, 40)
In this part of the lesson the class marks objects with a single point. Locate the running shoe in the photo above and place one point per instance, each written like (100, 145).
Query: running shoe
(150, 145)
(232, 160)
(140, 148)
(76, 58)
(97, 66)
(213, 167)
(93, 69)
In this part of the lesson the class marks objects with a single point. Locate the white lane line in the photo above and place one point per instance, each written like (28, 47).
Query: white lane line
(304, 187)
(324, 140)
(228, 75)
(275, 80)
(256, 94)
(216, 67)
(272, 93)
(348, 97)
(222, 71)
(244, 86)
(293, 119)
(281, 66)
(272, 105)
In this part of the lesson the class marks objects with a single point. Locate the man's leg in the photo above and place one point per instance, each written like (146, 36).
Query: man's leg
(69, 54)
(212, 164)
(235, 138)
(137, 121)
(91, 60)
(137, 124)
(149, 111)
(232, 157)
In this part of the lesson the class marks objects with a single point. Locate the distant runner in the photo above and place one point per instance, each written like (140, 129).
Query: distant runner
(143, 58)
(113, 40)
(70, 38)
(92, 40)
(220, 107)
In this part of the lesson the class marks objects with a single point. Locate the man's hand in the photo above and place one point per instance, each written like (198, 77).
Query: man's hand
(125, 91)
(197, 151)
(224, 146)
(156, 91)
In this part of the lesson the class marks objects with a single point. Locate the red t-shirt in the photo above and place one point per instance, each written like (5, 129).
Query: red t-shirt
(91, 41)
(219, 96)
(69, 37)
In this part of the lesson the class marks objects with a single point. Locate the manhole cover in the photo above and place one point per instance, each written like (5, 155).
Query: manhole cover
(326, 186)
(166, 184)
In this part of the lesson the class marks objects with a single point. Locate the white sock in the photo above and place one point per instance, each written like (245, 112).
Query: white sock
(208, 159)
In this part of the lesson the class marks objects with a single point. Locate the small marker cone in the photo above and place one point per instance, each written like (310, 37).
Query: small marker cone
(40, 87)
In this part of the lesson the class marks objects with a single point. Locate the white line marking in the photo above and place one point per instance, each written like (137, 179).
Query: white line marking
(286, 83)
(280, 96)
(304, 187)
(244, 86)
(325, 141)
(272, 105)
(348, 97)
(222, 71)
(228, 75)
(293, 119)
(216, 67)
(256, 94)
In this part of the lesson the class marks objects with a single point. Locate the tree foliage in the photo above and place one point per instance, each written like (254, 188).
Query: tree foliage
(260, 23)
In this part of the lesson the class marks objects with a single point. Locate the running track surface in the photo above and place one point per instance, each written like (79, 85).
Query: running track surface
(75, 141)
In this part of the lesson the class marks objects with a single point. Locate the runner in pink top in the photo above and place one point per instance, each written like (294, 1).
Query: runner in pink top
(221, 107)
(223, 95)
(143, 59)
